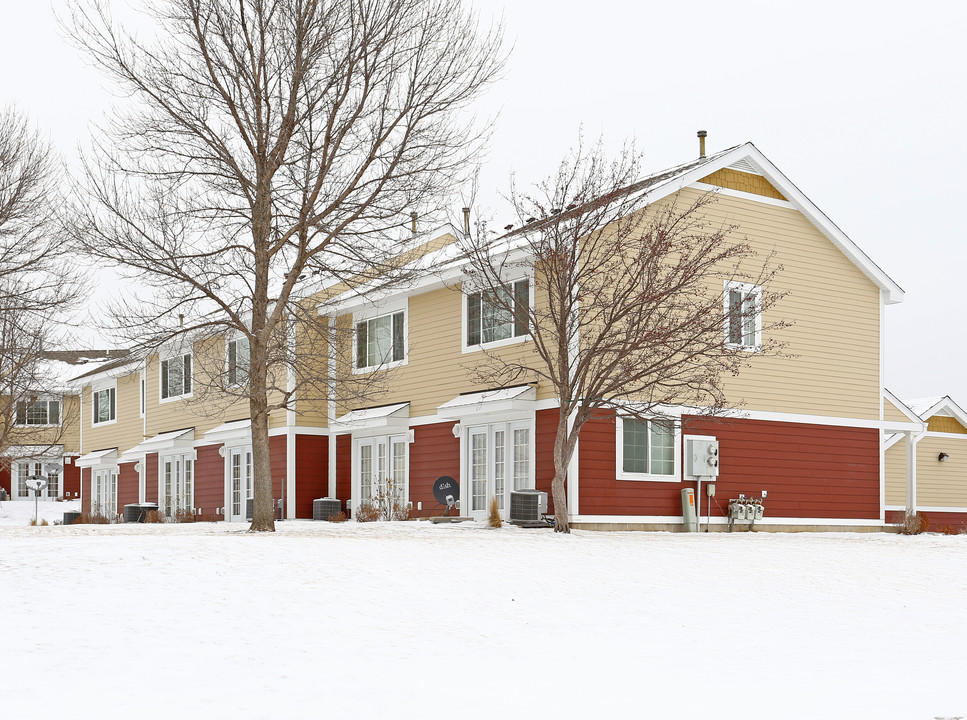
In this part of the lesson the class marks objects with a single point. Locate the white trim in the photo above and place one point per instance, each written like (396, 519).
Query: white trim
(764, 199)
(622, 476)
(679, 520)
(946, 436)
(928, 508)
(819, 420)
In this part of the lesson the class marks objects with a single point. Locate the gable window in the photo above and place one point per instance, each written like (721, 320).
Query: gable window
(743, 317)
(380, 340)
(238, 361)
(105, 401)
(176, 376)
(40, 412)
(647, 449)
(495, 315)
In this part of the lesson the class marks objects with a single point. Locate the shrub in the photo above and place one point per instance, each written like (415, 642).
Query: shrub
(913, 524)
(338, 517)
(93, 518)
(494, 520)
(946, 530)
(367, 512)
(154, 516)
(43, 521)
(183, 516)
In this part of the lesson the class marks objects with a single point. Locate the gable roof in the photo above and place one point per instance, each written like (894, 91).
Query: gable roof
(944, 406)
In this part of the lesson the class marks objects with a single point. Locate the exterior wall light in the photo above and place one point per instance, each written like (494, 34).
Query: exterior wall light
(942, 457)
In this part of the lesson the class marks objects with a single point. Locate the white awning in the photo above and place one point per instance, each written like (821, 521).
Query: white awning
(488, 402)
(175, 440)
(236, 432)
(388, 417)
(98, 457)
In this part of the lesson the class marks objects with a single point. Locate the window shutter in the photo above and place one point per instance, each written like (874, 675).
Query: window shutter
(97, 408)
(53, 412)
(398, 349)
(473, 319)
(361, 340)
(521, 307)
(164, 379)
(186, 380)
(111, 412)
(21, 413)
(233, 362)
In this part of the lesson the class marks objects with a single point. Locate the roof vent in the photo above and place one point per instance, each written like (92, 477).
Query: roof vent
(702, 134)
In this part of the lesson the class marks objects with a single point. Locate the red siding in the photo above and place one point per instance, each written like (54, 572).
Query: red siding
(344, 451)
(278, 460)
(434, 452)
(809, 471)
(72, 481)
(545, 434)
(955, 522)
(86, 491)
(127, 485)
(151, 478)
(209, 480)
(311, 472)
(5, 477)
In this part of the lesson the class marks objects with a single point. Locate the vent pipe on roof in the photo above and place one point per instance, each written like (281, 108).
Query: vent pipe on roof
(413, 222)
(701, 144)
(466, 221)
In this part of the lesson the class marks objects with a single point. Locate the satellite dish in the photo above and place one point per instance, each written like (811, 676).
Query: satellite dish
(446, 490)
(36, 482)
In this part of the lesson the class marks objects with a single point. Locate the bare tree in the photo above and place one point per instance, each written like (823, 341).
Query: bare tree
(269, 142)
(36, 282)
(629, 310)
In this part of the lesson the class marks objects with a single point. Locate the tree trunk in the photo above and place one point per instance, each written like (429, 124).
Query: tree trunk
(563, 449)
(263, 505)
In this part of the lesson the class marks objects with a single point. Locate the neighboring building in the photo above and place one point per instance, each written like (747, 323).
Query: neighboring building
(44, 435)
(935, 481)
(808, 432)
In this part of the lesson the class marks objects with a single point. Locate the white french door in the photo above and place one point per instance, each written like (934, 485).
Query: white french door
(240, 486)
(104, 493)
(499, 459)
(177, 485)
(381, 475)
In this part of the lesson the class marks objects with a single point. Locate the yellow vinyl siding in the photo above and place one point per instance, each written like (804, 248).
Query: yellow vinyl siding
(745, 182)
(892, 413)
(831, 365)
(942, 484)
(944, 424)
(128, 430)
(895, 469)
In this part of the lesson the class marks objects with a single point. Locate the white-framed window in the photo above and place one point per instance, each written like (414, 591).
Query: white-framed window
(380, 341)
(104, 404)
(38, 412)
(743, 316)
(648, 449)
(176, 377)
(488, 318)
(237, 362)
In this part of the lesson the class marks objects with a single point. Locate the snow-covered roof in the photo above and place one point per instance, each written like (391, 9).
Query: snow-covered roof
(163, 441)
(518, 398)
(944, 405)
(396, 415)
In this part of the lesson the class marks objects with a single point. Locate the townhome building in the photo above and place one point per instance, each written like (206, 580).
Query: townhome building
(803, 437)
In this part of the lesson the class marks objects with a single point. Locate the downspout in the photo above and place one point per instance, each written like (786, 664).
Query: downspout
(331, 408)
(912, 440)
(290, 421)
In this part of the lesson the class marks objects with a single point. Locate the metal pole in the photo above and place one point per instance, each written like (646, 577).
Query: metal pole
(36, 503)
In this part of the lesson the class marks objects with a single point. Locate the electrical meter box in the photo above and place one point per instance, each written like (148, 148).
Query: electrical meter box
(702, 458)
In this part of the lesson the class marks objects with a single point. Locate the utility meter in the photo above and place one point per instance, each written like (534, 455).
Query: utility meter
(702, 458)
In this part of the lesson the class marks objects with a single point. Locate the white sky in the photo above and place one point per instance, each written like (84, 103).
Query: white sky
(858, 104)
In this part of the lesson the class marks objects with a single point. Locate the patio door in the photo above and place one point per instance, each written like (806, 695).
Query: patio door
(176, 485)
(382, 475)
(498, 461)
(240, 488)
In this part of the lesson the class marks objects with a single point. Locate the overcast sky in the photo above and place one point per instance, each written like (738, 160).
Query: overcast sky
(861, 105)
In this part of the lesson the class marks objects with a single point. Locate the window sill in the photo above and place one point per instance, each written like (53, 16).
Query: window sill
(644, 477)
(744, 348)
(172, 398)
(103, 423)
(495, 344)
(377, 368)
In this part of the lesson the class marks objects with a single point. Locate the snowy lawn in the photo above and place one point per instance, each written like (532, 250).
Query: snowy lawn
(404, 620)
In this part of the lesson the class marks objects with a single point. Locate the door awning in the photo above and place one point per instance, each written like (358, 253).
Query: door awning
(521, 398)
(388, 417)
(98, 457)
(183, 439)
(236, 432)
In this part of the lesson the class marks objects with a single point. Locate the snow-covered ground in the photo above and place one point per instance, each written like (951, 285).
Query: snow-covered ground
(407, 620)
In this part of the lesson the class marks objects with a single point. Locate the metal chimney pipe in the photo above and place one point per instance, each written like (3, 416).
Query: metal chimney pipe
(701, 144)
(466, 221)
(413, 222)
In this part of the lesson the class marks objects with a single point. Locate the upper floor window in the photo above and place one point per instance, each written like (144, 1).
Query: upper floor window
(176, 376)
(495, 315)
(647, 449)
(381, 340)
(39, 412)
(743, 316)
(238, 361)
(105, 404)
